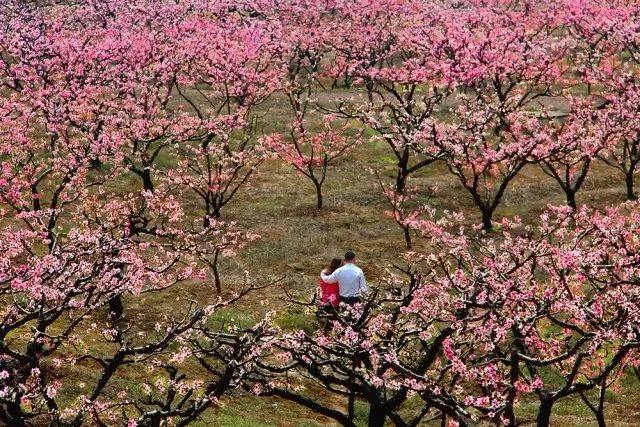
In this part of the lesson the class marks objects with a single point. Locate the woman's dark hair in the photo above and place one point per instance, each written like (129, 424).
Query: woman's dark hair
(335, 264)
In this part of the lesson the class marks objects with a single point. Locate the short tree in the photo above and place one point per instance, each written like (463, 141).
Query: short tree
(575, 141)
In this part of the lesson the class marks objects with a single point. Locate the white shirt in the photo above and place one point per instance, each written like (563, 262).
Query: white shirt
(350, 279)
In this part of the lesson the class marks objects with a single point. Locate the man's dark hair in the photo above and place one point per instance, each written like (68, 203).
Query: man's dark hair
(349, 256)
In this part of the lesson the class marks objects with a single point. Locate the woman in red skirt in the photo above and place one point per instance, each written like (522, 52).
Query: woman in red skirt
(330, 291)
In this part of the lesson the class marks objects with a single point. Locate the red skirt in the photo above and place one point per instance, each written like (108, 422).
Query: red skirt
(330, 293)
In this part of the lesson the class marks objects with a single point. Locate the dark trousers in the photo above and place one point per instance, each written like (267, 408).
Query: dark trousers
(350, 300)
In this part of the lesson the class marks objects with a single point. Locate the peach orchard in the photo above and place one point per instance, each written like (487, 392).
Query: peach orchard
(170, 95)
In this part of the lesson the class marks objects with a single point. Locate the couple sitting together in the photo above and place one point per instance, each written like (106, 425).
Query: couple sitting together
(342, 281)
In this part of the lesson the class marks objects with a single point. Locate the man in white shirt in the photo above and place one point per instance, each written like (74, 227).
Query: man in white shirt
(350, 279)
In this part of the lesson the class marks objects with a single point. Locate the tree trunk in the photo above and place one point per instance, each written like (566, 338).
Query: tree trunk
(216, 273)
(487, 215)
(544, 413)
(401, 182)
(216, 211)
(514, 373)
(377, 416)
(407, 238)
(401, 178)
(116, 308)
(13, 415)
(631, 195)
(351, 406)
(96, 163)
(347, 80)
(318, 195)
(147, 183)
(571, 199)
(600, 409)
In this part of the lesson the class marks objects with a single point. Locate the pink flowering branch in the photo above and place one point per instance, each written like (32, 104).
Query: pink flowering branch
(403, 210)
